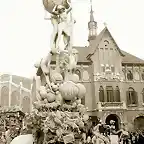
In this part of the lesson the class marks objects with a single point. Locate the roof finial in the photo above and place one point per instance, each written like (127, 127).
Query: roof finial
(105, 24)
(91, 12)
(91, 5)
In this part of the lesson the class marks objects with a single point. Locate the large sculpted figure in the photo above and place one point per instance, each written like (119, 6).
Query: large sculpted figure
(62, 24)
(98, 137)
(64, 27)
(58, 116)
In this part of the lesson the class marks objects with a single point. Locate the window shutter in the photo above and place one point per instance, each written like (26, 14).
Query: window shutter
(101, 96)
(136, 97)
(127, 97)
(117, 95)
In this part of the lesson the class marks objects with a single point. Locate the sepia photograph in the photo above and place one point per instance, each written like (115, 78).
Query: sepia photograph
(71, 72)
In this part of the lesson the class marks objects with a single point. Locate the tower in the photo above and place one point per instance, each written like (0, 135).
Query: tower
(92, 25)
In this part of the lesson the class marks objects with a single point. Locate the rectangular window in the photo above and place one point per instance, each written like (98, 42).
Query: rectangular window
(110, 96)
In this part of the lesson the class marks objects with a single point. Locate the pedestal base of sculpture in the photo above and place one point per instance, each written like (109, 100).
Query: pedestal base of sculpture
(114, 139)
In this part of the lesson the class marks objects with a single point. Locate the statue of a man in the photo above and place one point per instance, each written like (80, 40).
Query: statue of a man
(64, 26)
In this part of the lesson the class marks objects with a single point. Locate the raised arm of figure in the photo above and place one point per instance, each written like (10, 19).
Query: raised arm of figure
(69, 9)
(69, 5)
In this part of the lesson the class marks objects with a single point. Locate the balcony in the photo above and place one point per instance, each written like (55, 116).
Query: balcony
(111, 105)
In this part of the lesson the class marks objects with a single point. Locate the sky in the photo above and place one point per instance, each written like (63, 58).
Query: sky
(25, 34)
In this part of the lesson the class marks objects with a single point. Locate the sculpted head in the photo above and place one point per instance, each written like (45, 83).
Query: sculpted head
(60, 8)
(74, 51)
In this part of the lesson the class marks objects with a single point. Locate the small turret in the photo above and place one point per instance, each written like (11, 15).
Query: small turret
(92, 25)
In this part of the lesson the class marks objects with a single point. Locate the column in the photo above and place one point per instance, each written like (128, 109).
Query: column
(31, 100)
(10, 90)
(20, 95)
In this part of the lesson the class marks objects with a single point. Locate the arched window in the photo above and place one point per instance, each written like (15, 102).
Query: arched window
(15, 98)
(139, 123)
(137, 76)
(78, 73)
(112, 69)
(26, 104)
(85, 75)
(5, 96)
(143, 94)
(101, 94)
(106, 43)
(117, 94)
(110, 96)
(131, 96)
(142, 75)
(129, 75)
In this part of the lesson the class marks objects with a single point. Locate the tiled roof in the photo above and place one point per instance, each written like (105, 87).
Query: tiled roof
(82, 54)
(131, 59)
(127, 58)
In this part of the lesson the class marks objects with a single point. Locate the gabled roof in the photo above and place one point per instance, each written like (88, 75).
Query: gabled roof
(98, 40)
(88, 51)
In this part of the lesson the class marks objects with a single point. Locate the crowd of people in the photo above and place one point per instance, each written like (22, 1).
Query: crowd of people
(134, 138)
(121, 136)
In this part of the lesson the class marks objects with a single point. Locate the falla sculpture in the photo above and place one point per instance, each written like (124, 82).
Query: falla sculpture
(58, 115)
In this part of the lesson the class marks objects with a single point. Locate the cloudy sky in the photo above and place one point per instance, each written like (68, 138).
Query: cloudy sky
(25, 35)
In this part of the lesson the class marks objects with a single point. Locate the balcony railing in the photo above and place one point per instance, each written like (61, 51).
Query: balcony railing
(112, 105)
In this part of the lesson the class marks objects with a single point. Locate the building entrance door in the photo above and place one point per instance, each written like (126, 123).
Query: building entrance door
(115, 118)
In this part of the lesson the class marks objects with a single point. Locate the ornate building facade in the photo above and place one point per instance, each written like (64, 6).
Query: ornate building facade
(15, 91)
(114, 80)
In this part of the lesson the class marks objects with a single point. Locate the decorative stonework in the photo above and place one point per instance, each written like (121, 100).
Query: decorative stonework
(108, 77)
(112, 112)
